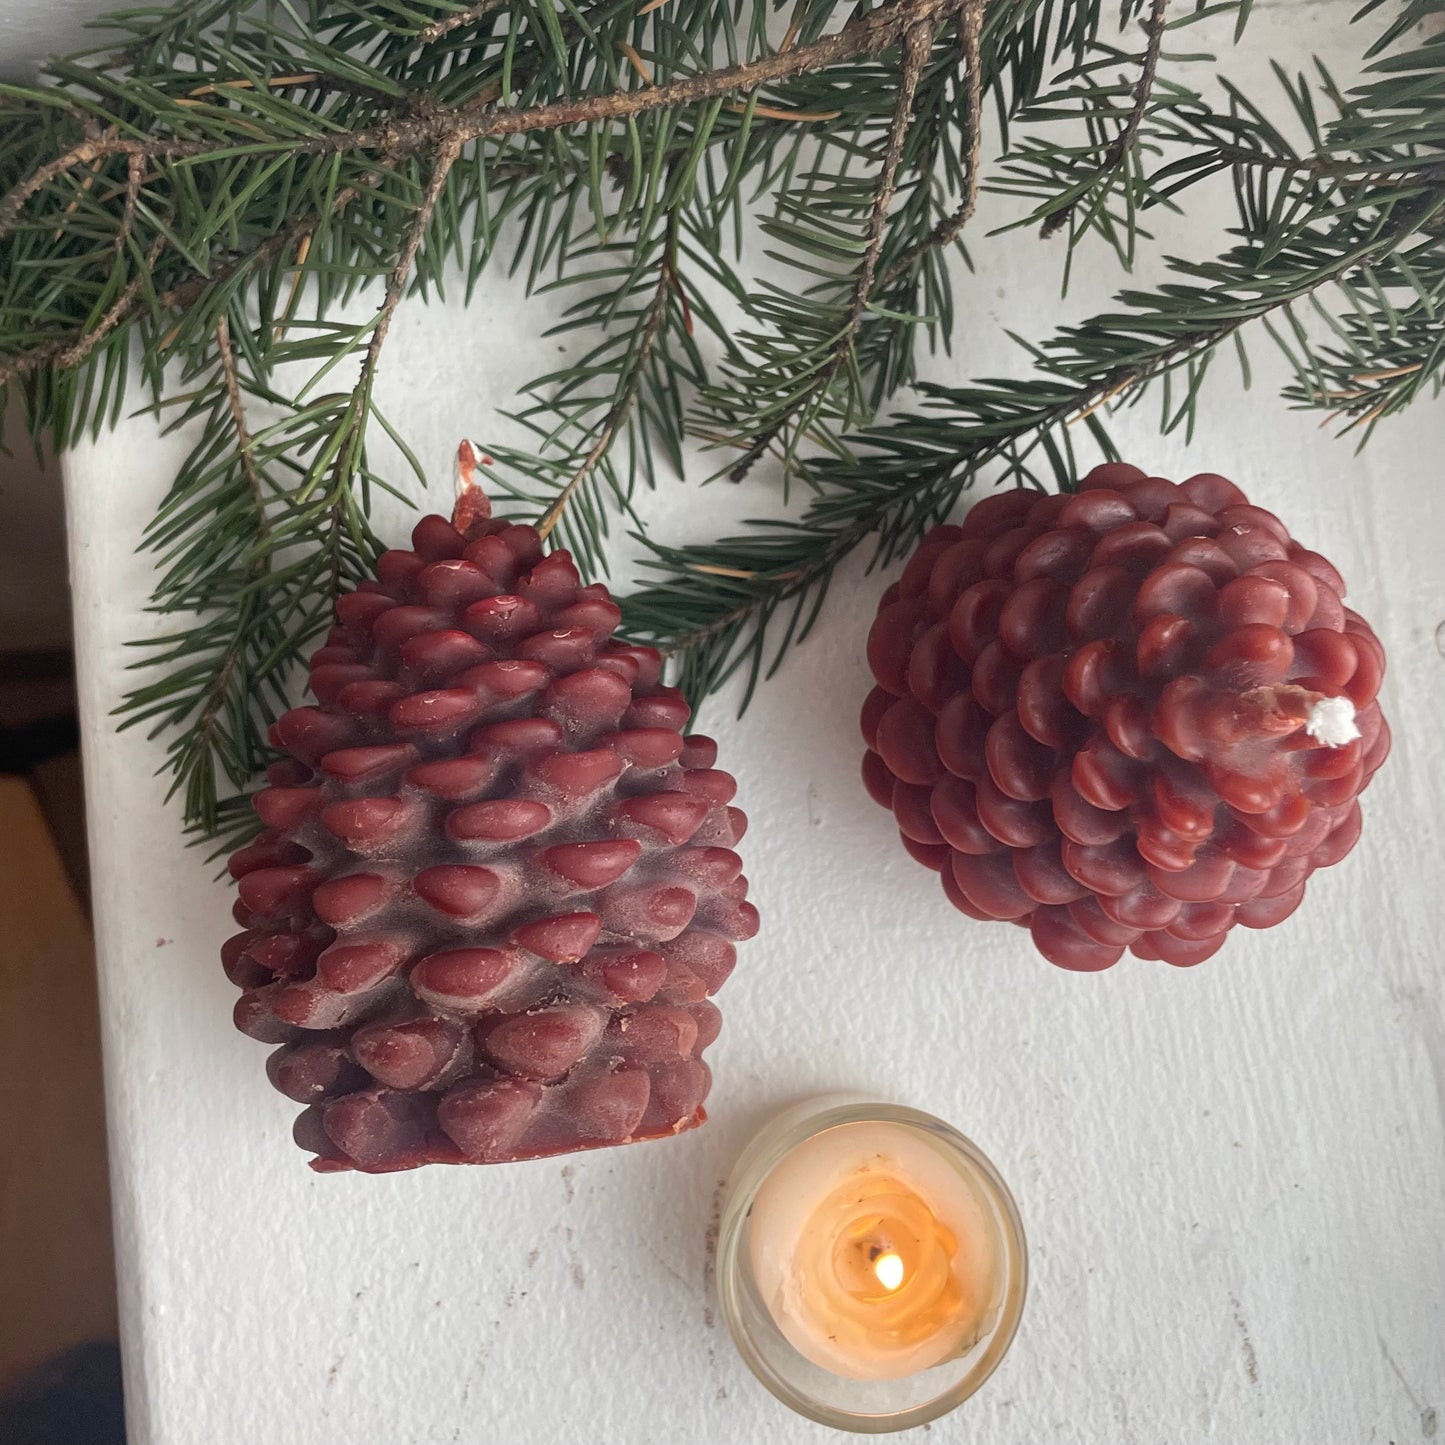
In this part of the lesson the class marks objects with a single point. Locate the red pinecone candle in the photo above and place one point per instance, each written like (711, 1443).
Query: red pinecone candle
(497, 885)
(1130, 717)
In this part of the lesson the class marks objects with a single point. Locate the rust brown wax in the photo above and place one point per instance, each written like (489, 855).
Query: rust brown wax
(1131, 717)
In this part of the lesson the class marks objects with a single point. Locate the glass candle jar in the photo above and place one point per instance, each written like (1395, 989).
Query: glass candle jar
(871, 1263)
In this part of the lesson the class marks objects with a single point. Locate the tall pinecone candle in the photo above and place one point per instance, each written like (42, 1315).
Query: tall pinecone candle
(497, 885)
(1131, 717)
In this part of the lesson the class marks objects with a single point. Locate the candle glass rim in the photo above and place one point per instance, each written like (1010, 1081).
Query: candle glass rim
(756, 1163)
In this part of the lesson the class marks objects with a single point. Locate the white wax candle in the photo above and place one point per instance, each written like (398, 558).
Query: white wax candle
(874, 1252)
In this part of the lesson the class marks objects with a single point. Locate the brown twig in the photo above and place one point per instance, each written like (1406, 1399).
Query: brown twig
(869, 33)
(71, 348)
(1154, 31)
(917, 46)
(134, 178)
(446, 158)
(238, 419)
(355, 417)
(231, 660)
(621, 408)
(1122, 143)
(427, 133)
(947, 231)
(438, 28)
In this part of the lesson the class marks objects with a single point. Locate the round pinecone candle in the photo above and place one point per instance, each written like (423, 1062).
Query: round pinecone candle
(1130, 717)
(497, 885)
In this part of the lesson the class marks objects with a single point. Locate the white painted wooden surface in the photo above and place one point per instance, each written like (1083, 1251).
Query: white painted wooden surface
(31, 30)
(1233, 1178)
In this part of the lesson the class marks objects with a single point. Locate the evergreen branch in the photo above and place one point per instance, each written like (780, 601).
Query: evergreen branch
(348, 445)
(1388, 344)
(90, 151)
(444, 159)
(629, 385)
(235, 152)
(74, 348)
(134, 178)
(819, 548)
(438, 29)
(238, 421)
(785, 383)
(401, 137)
(217, 694)
(263, 616)
(404, 136)
(1120, 147)
(910, 472)
(948, 230)
(917, 43)
(215, 683)
(597, 439)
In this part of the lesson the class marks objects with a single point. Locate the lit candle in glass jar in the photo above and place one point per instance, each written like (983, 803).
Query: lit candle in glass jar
(871, 1264)
(873, 1253)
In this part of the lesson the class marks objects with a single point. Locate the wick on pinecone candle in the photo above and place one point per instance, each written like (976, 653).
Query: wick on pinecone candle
(1131, 717)
(871, 1264)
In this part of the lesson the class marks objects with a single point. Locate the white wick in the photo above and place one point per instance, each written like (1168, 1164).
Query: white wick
(465, 473)
(1331, 721)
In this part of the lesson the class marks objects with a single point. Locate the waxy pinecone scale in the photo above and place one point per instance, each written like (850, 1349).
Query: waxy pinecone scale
(497, 886)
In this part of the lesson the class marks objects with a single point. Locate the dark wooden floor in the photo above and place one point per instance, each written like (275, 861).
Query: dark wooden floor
(56, 1270)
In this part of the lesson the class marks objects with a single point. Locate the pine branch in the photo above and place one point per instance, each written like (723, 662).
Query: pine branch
(1122, 143)
(399, 138)
(948, 230)
(268, 616)
(628, 387)
(438, 29)
(440, 126)
(238, 420)
(722, 599)
(74, 349)
(917, 43)
(444, 158)
(219, 187)
(211, 684)
(601, 417)
(218, 693)
(789, 383)
(1388, 346)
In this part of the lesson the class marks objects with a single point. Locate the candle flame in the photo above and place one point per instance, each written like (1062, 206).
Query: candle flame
(889, 1269)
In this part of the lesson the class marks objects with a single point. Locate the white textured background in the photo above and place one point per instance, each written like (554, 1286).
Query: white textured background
(1233, 1178)
(30, 30)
